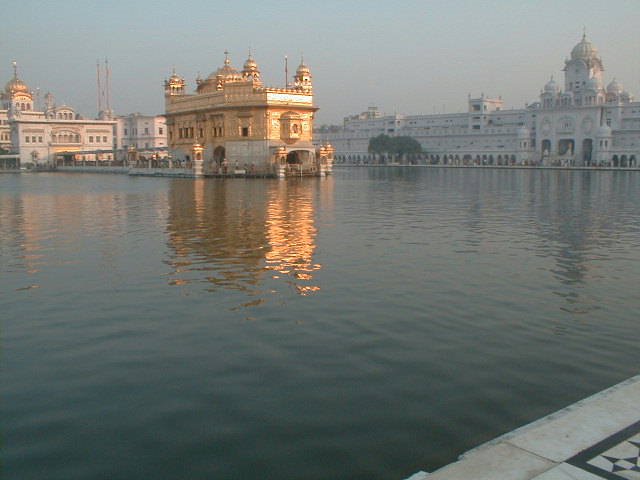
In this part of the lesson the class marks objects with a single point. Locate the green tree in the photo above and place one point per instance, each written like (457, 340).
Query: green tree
(406, 145)
(380, 144)
(394, 146)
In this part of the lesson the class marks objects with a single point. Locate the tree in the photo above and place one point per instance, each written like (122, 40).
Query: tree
(396, 146)
(380, 144)
(405, 145)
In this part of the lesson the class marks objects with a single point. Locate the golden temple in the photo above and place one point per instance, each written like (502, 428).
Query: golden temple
(235, 126)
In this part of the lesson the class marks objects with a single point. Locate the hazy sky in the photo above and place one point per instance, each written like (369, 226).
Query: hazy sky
(408, 56)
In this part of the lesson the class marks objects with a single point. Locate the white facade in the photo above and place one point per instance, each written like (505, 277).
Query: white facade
(146, 133)
(56, 135)
(584, 124)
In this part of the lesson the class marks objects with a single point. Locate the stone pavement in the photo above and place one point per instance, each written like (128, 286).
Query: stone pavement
(595, 438)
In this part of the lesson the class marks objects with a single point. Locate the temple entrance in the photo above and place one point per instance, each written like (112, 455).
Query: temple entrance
(587, 149)
(218, 155)
(303, 162)
(566, 147)
(293, 158)
(546, 148)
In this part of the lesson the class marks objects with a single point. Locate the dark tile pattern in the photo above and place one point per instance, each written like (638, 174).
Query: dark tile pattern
(616, 457)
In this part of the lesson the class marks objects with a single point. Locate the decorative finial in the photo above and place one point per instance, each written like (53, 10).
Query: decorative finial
(226, 57)
(250, 52)
(584, 33)
(15, 69)
(301, 58)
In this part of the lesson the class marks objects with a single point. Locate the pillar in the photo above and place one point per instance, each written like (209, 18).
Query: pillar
(198, 159)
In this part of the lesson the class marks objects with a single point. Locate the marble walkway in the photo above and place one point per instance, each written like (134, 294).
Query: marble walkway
(596, 438)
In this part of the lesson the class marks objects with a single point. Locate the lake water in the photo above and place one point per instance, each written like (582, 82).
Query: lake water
(363, 326)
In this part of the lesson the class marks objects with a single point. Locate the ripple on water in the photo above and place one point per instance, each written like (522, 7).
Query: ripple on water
(366, 325)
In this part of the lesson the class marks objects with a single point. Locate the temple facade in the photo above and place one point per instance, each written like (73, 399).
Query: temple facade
(55, 135)
(234, 125)
(582, 123)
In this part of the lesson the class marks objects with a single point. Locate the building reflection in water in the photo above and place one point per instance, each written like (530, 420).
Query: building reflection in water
(42, 228)
(573, 216)
(291, 234)
(237, 234)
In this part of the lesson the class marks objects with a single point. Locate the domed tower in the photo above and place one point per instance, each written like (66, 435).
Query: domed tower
(614, 91)
(593, 94)
(226, 73)
(174, 85)
(250, 71)
(550, 93)
(584, 65)
(17, 97)
(302, 79)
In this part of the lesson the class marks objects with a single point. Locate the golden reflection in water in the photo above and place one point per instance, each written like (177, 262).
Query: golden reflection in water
(216, 233)
(44, 229)
(291, 233)
(230, 233)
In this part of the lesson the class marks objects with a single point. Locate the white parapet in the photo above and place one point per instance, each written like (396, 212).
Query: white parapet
(577, 442)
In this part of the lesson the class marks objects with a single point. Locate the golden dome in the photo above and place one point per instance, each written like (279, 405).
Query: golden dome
(15, 85)
(175, 78)
(303, 69)
(250, 64)
(226, 72)
(250, 70)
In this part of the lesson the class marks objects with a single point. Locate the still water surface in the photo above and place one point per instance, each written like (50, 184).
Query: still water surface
(363, 326)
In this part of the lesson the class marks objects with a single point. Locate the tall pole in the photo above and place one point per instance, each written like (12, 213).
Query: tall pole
(108, 74)
(99, 92)
(286, 72)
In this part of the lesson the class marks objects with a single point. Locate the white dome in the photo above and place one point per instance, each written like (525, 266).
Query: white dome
(584, 50)
(551, 86)
(523, 132)
(592, 84)
(615, 87)
(604, 131)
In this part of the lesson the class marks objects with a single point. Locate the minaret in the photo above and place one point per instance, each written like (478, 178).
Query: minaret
(18, 96)
(302, 79)
(584, 67)
(174, 85)
(250, 71)
(49, 104)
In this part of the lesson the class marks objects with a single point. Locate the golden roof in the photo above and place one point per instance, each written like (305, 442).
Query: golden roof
(15, 85)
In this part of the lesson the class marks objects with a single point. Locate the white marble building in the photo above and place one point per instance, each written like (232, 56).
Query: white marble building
(585, 123)
(146, 133)
(56, 135)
